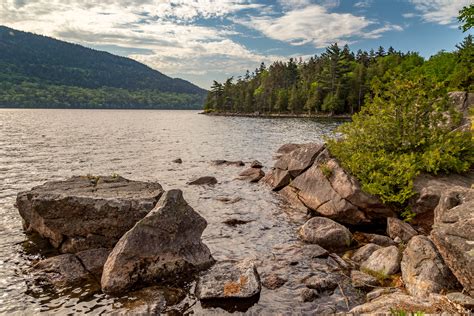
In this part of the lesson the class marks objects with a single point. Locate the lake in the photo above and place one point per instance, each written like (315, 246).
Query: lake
(39, 145)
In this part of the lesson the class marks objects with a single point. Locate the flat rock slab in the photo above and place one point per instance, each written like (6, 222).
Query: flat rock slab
(165, 245)
(229, 280)
(86, 212)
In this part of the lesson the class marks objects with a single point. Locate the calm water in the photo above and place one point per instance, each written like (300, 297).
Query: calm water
(41, 145)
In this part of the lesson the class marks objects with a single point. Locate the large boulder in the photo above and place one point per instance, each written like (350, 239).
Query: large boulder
(163, 245)
(395, 302)
(229, 280)
(397, 228)
(61, 271)
(325, 233)
(329, 190)
(424, 270)
(385, 261)
(86, 212)
(453, 233)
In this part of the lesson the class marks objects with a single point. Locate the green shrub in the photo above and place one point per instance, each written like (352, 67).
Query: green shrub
(406, 128)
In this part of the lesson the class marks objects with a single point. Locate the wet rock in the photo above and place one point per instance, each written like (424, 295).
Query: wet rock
(386, 304)
(86, 212)
(363, 280)
(453, 234)
(207, 180)
(273, 281)
(147, 301)
(163, 245)
(178, 160)
(308, 295)
(364, 252)
(93, 260)
(235, 222)
(278, 179)
(229, 279)
(327, 189)
(423, 269)
(61, 271)
(228, 200)
(326, 233)
(323, 281)
(461, 299)
(385, 260)
(380, 240)
(398, 228)
(252, 174)
(238, 163)
(256, 164)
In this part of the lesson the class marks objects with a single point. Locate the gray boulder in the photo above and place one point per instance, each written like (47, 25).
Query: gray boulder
(423, 269)
(397, 228)
(61, 271)
(206, 180)
(93, 260)
(229, 279)
(252, 174)
(364, 252)
(86, 212)
(326, 233)
(163, 245)
(385, 261)
(453, 234)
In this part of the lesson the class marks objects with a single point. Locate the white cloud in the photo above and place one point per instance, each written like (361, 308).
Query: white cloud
(440, 11)
(314, 25)
(363, 4)
(408, 15)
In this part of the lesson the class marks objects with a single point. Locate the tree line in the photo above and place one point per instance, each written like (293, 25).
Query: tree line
(338, 81)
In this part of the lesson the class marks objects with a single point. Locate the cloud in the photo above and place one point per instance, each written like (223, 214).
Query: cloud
(409, 15)
(442, 12)
(363, 4)
(314, 25)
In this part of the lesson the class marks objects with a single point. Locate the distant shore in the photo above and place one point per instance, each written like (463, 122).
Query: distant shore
(282, 115)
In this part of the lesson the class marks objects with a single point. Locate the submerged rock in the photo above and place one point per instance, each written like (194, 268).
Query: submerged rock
(252, 174)
(323, 281)
(385, 261)
(326, 233)
(61, 271)
(453, 233)
(164, 245)
(207, 180)
(220, 162)
(178, 160)
(423, 269)
(397, 228)
(86, 212)
(273, 281)
(229, 279)
(308, 295)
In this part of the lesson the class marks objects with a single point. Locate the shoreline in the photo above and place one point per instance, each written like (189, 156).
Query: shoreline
(285, 115)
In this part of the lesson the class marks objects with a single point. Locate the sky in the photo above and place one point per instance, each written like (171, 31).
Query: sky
(206, 40)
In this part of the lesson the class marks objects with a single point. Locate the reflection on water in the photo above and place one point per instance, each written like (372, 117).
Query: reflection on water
(41, 145)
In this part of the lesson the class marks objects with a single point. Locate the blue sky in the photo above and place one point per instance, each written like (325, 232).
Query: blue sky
(205, 40)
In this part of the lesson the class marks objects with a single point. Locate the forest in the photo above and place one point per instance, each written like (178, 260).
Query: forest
(338, 81)
(39, 71)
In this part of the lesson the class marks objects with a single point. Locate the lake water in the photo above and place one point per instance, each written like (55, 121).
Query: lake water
(41, 145)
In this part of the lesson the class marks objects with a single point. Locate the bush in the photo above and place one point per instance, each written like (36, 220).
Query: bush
(406, 128)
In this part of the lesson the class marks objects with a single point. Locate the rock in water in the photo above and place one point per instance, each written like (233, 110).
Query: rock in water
(207, 180)
(398, 228)
(164, 245)
(61, 271)
(86, 212)
(423, 269)
(252, 174)
(453, 234)
(326, 233)
(256, 164)
(93, 260)
(229, 279)
(385, 261)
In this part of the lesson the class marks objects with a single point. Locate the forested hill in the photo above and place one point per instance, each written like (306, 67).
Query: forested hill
(338, 81)
(41, 71)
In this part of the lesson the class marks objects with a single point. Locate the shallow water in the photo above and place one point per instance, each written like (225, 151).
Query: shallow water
(41, 145)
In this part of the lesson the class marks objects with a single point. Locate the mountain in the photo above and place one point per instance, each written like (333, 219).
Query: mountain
(39, 71)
